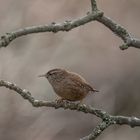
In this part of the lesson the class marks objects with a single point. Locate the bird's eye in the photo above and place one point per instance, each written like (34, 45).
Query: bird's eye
(51, 73)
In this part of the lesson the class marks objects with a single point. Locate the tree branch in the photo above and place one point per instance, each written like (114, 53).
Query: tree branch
(54, 27)
(94, 5)
(131, 121)
(120, 32)
(107, 119)
(97, 131)
(64, 104)
(95, 14)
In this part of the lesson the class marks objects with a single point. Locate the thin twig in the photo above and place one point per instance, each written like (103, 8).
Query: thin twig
(121, 32)
(94, 5)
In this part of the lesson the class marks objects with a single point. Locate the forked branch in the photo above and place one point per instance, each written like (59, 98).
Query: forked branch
(95, 14)
(107, 119)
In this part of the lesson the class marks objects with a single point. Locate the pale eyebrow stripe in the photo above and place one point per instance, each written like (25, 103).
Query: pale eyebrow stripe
(53, 71)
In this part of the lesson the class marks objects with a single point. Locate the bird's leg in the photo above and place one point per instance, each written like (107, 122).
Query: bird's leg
(59, 100)
(81, 102)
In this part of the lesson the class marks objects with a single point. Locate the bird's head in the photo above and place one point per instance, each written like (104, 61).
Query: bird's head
(55, 75)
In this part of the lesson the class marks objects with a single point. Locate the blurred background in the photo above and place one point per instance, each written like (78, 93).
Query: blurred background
(91, 50)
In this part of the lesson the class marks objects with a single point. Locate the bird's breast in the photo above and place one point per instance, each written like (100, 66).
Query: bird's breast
(69, 92)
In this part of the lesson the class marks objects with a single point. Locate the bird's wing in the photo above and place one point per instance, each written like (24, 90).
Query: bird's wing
(81, 82)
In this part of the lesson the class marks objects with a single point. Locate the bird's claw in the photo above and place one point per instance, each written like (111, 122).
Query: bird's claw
(60, 100)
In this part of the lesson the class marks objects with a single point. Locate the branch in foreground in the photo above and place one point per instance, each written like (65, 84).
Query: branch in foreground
(107, 119)
(131, 121)
(64, 104)
(97, 131)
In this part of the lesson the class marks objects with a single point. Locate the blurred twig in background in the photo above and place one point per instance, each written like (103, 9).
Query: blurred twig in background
(96, 14)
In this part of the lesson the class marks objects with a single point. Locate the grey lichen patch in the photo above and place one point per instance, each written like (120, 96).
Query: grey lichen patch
(6, 39)
(124, 47)
(35, 103)
(103, 126)
(122, 31)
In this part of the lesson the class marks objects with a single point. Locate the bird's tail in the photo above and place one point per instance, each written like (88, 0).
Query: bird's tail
(95, 90)
(91, 88)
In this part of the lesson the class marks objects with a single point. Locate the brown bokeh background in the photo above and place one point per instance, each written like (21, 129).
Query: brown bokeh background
(91, 50)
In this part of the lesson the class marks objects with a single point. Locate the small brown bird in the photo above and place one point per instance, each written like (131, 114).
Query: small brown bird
(68, 85)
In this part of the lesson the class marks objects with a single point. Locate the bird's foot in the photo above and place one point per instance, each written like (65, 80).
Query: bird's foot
(80, 103)
(59, 100)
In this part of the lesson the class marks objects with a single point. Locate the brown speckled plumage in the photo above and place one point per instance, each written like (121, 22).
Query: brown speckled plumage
(68, 85)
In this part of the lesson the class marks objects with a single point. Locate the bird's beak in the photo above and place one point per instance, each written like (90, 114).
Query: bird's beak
(43, 75)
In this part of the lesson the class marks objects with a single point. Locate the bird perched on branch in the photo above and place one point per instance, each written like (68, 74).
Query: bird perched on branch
(68, 85)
